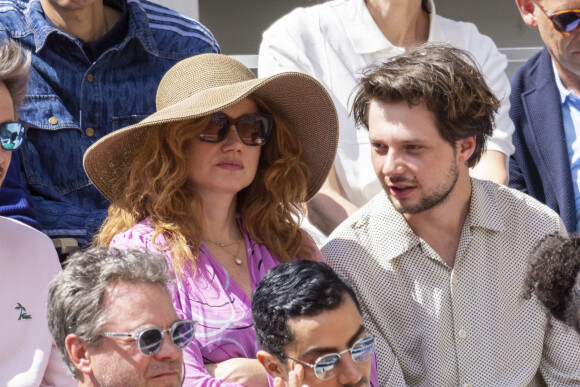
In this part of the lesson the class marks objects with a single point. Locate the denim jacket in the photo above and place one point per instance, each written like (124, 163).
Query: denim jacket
(72, 102)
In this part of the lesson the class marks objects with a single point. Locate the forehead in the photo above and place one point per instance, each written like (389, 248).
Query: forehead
(328, 329)
(401, 121)
(133, 305)
(557, 5)
(6, 105)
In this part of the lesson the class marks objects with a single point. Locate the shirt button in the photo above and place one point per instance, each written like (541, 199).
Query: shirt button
(462, 334)
(90, 132)
(454, 278)
(53, 120)
(90, 77)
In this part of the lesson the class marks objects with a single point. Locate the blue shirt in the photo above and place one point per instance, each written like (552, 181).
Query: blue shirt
(571, 120)
(73, 101)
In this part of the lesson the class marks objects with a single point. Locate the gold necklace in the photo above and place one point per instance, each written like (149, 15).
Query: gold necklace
(237, 260)
(223, 244)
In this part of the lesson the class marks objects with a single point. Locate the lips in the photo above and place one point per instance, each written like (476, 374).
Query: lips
(232, 164)
(400, 191)
(166, 374)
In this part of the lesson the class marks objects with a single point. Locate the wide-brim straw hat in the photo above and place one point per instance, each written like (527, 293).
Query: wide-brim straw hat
(207, 83)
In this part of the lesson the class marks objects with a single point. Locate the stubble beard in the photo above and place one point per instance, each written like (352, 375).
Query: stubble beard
(431, 199)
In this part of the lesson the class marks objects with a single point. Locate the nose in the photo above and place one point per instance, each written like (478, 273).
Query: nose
(392, 164)
(232, 140)
(168, 350)
(349, 372)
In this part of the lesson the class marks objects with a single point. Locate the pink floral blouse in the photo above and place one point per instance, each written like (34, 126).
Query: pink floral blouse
(212, 298)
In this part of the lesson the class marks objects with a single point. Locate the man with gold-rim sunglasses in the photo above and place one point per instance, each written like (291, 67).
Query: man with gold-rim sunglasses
(545, 110)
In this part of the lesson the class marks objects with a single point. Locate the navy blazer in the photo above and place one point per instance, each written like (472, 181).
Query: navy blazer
(540, 165)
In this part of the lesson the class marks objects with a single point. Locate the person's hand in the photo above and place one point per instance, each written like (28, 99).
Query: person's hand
(295, 378)
(247, 372)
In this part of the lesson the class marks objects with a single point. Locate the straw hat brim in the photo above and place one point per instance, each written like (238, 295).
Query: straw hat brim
(300, 100)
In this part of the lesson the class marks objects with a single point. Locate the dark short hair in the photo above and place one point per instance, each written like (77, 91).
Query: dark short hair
(294, 289)
(76, 294)
(443, 78)
(554, 277)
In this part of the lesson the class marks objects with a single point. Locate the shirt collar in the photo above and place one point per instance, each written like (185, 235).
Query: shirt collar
(43, 28)
(364, 34)
(564, 92)
(483, 213)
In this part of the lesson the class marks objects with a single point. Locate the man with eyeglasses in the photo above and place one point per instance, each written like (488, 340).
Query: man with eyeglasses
(113, 320)
(308, 322)
(545, 109)
(28, 356)
(438, 259)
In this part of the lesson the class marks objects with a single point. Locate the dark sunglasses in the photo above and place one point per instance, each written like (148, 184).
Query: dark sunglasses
(253, 129)
(563, 21)
(325, 367)
(12, 135)
(149, 340)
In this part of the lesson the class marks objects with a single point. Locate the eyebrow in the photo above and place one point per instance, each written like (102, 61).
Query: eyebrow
(325, 350)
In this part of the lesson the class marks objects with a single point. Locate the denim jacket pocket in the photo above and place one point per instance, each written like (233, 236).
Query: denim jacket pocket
(53, 151)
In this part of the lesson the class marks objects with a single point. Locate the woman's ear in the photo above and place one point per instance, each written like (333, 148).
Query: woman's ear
(271, 364)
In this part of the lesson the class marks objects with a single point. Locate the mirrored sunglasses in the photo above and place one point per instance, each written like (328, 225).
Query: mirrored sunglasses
(149, 341)
(253, 129)
(327, 366)
(12, 135)
(563, 21)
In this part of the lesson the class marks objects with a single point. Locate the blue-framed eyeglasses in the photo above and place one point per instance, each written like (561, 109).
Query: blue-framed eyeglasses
(149, 340)
(327, 366)
(12, 135)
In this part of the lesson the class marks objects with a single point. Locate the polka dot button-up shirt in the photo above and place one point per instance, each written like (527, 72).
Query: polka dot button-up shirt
(466, 325)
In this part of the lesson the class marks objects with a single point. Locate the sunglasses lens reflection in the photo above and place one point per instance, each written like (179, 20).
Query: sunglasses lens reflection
(150, 341)
(12, 135)
(182, 334)
(253, 129)
(327, 366)
(363, 349)
(567, 21)
(216, 129)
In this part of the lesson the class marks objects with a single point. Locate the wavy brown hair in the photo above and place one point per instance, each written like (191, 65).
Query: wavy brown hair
(155, 185)
(447, 80)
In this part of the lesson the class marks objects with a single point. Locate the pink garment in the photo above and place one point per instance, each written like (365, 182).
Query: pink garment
(210, 296)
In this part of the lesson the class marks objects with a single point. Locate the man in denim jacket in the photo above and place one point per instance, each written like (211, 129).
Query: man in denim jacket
(95, 69)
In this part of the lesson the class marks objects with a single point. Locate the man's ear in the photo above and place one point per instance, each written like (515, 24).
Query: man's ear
(527, 8)
(77, 352)
(465, 149)
(272, 364)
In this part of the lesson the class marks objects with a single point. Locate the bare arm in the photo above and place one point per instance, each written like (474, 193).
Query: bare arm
(328, 208)
(247, 372)
(492, 166)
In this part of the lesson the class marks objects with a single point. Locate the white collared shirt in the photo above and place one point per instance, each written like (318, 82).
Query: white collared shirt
(465, 325)
(333, 41)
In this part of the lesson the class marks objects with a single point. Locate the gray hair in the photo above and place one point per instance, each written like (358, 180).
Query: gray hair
(14, 68)
(75, 296)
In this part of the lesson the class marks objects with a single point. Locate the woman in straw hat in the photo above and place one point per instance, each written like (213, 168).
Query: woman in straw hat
(215, 180)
